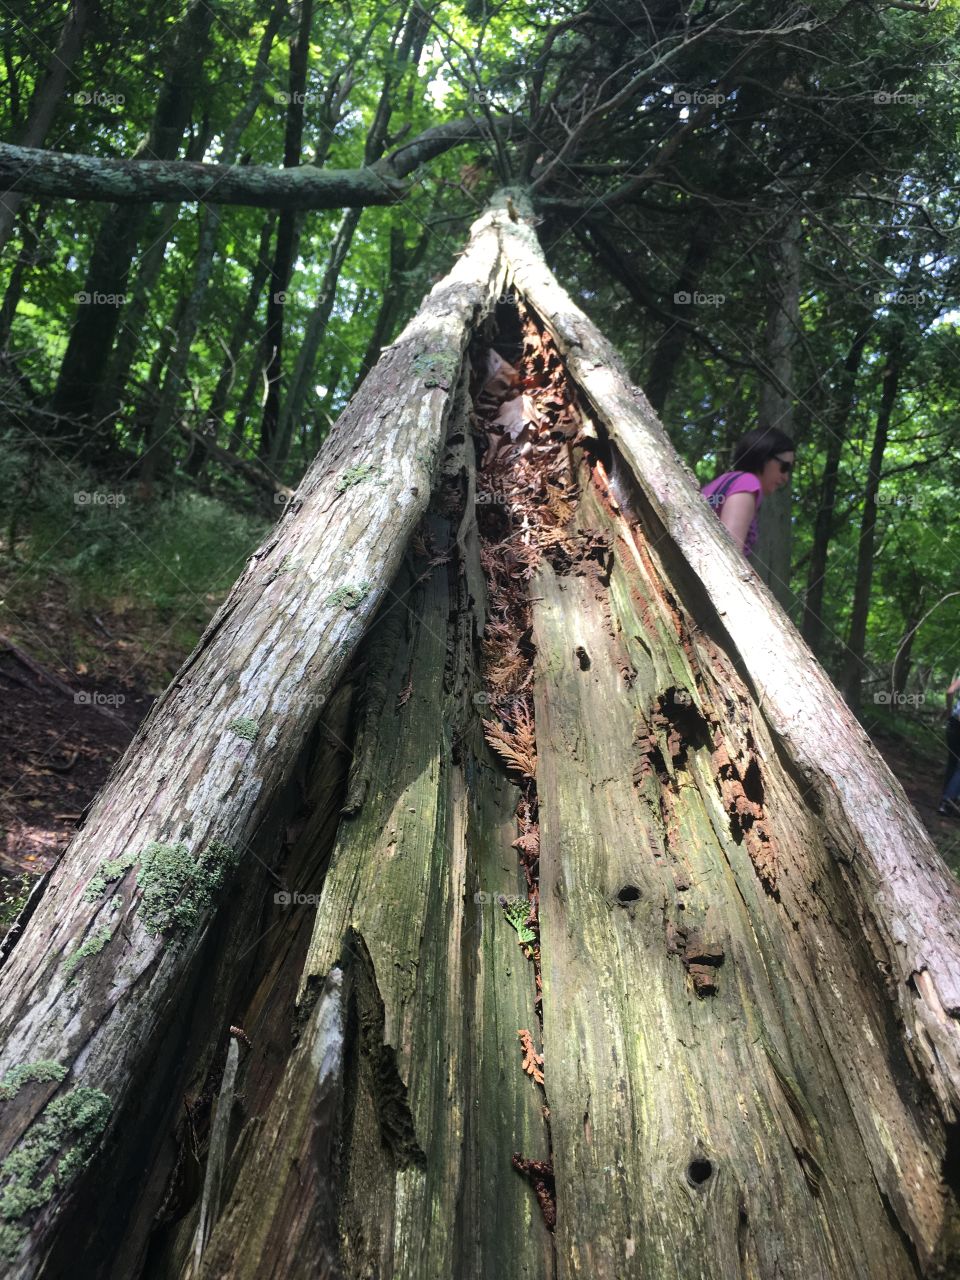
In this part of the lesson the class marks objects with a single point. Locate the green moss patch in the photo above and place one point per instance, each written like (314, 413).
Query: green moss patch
(348, 596)
(109, 871)
(44, 1070)
(176, 888)
(244, 727)
(437, 368)
(354, 475)
(67, 1132)
(91, 946)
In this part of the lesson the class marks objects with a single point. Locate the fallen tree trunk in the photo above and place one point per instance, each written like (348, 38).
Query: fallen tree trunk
(628, 957)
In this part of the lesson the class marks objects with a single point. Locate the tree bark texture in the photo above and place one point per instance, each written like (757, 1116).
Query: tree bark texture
(723, 1042)
(56, 174)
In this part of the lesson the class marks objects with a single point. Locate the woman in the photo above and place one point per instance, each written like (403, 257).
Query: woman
(762, 463)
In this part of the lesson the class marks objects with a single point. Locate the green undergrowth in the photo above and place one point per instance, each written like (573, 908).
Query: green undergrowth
(14, 891)
(175, 553)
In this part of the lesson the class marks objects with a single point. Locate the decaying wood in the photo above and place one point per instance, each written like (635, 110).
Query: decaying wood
(626, 956)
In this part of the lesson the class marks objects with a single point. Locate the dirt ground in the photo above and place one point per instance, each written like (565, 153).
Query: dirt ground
(74, 686)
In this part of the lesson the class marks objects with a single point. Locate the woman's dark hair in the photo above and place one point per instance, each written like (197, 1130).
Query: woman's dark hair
(758, 446)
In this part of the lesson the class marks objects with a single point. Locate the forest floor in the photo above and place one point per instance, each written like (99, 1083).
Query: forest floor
(74, 686)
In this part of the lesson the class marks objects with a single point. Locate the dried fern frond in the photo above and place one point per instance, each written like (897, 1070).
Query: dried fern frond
(516, 745)
(532, 1061)
(529, 842)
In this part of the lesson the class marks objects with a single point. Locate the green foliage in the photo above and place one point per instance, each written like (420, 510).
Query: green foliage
(14, 893)
(516, 913)
(106, 541)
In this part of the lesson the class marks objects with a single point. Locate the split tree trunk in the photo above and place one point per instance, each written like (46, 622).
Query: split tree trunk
(749, 949)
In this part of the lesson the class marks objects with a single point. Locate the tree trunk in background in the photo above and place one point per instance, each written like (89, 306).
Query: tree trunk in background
(29, 251)
(673, 340)
(285, 252)
(842, 403)
(95, 323)
(138, 324)
(740, 980)
(912, 616)
(857, 636)
(168, 407)
(136, 321)
(401, 261)
(777, 395)
(414, 30)
(213, 424)
(47, 97)
(293, 403)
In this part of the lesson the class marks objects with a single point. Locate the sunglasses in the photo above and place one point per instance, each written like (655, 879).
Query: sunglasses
(785, 467)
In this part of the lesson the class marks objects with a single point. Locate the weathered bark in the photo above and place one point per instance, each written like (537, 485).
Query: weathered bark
(863, 856)
(47, 97)
(75, 177)
(777, 397)
(56, 174)
(750, 950)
